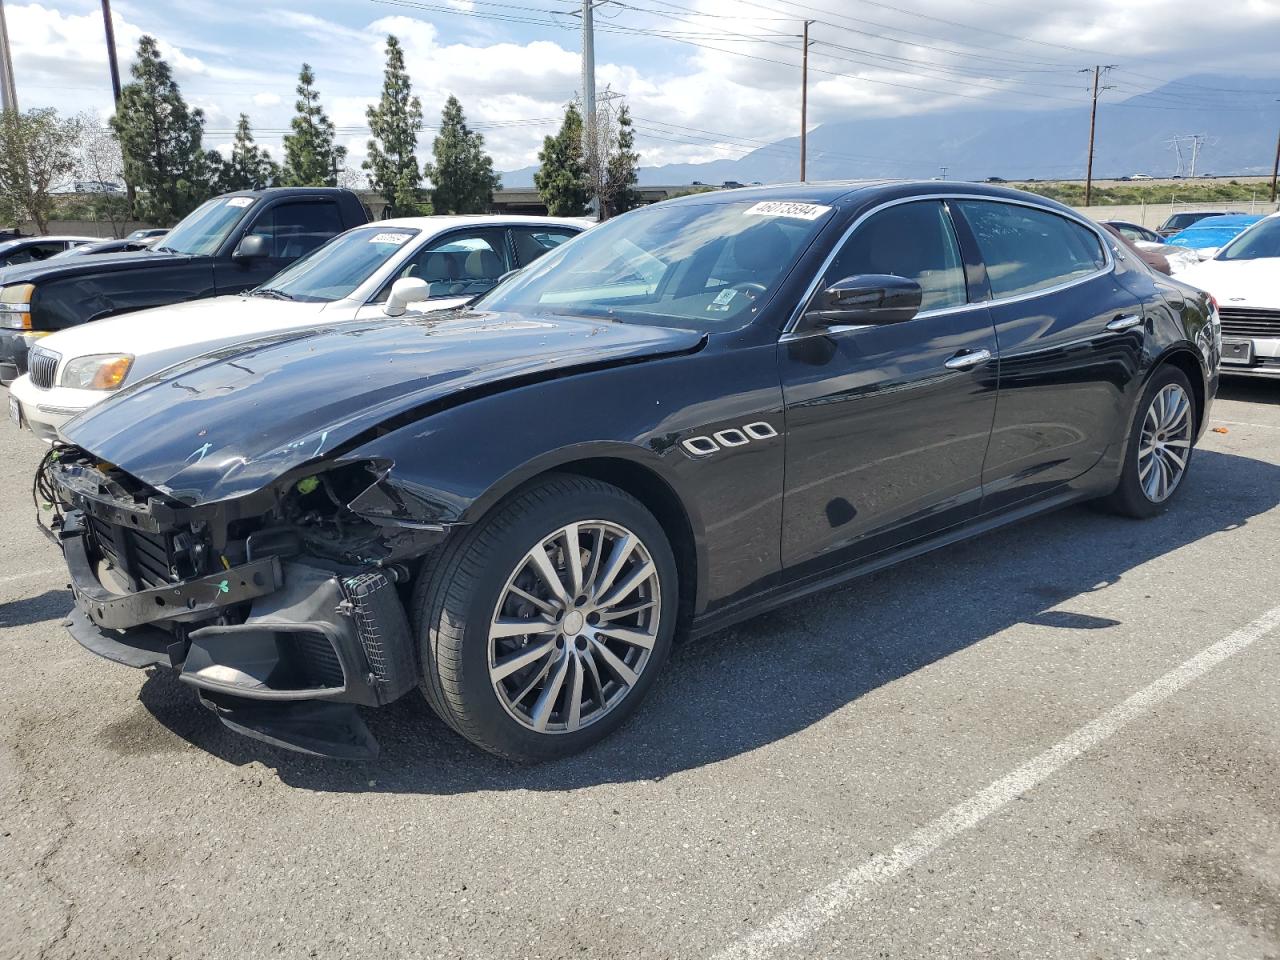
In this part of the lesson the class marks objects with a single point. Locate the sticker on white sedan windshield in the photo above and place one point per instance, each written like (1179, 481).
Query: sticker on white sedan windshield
(240, 201)
(396, 238)
(787, 208)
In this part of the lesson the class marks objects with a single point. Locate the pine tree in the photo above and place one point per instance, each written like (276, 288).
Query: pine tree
(562, 177)
(311, 159)
(160, 139)
(394, 123)
(249, 167)
(462, 175)
(618, 193)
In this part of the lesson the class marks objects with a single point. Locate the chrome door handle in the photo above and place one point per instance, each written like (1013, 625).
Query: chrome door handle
(1124, 323)
(963, 361)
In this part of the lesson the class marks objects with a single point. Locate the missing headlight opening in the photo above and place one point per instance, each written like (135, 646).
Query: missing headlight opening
(287, 595)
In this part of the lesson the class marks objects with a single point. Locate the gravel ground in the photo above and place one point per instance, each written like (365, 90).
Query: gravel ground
(990, 751)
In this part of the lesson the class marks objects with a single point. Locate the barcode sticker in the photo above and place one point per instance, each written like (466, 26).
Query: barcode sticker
(787, 208)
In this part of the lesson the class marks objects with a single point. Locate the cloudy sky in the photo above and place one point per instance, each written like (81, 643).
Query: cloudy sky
(705, 79)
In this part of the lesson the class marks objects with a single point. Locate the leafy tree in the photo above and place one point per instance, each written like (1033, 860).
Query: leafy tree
(562, 177)
(394, 123)
(37, 152)
(249, 167)
(160, 138)
(99, 161)
(462, 174)
(311, 159)
(617, 185)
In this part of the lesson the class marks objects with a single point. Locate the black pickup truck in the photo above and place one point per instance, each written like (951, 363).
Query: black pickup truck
(226, 245)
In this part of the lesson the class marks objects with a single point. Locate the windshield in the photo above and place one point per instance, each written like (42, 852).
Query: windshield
(701, 267)
(203, 230)
(1256, 243)
(336, 269)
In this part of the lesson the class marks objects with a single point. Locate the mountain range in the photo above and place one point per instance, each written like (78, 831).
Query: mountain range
(1238, 116)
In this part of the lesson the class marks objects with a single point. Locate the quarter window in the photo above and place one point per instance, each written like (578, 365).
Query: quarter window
(1026, 249)
(912, 240)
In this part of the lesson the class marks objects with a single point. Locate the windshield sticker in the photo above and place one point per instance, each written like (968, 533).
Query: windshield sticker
(721, 303)
(787, 208)
(396, 238)
(240, 201)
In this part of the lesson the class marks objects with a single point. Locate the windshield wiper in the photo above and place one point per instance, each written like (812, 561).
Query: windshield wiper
(272, 293)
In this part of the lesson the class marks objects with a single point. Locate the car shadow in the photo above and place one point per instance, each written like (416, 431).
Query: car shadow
(50, 605)
(1249, 390)
(785, 670)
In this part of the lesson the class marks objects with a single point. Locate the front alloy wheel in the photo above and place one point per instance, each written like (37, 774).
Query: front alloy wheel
(543, 625)
(574, 627)
(1165, 444)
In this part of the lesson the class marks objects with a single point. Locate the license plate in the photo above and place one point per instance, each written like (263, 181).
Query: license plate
(15, 411)
(1237, 351)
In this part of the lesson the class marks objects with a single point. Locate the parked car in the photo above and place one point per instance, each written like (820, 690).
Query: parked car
(368, 272)
(1206, 237)
(104, 246)
(694, 412)
(226, 245)
(1176, 222)
(24, 250)
(1244, 278)
(1152, 248)
(1152, 258)
(148, 233)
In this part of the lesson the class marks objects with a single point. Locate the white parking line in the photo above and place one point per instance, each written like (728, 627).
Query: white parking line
(31, 573)
(825, 905)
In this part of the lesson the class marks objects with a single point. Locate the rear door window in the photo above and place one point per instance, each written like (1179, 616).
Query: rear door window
(1026, 249)
(533, 242)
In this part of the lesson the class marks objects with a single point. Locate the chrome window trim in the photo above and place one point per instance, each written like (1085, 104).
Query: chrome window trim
(788, 331)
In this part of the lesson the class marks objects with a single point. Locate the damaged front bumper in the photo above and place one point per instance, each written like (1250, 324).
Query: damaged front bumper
(282, 646)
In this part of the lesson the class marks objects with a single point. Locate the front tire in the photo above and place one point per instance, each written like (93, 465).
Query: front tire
(544, 625)
(1160, 445)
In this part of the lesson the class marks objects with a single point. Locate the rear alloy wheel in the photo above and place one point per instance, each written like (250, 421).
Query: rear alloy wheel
(1160, 446)
(544, 625)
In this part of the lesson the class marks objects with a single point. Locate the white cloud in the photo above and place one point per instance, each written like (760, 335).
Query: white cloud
(514, 92)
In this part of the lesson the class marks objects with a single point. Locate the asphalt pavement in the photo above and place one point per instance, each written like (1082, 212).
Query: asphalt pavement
(1058, 740)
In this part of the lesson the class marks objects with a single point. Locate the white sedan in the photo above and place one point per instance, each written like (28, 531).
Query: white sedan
(371, 271)
(1244, 278)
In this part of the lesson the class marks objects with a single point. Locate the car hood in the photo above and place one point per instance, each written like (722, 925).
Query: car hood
(57, 268)
(227, 424)
(193, 323)
(1238, 283)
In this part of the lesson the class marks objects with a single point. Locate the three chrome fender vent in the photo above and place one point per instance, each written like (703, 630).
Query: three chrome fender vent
(730, 437)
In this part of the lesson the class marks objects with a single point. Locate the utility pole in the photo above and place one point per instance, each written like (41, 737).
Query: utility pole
(1275, 168)
(8, 91)
(590, 139)
(1098, 71)
(804, 101)
(111, 51)
(114, 64)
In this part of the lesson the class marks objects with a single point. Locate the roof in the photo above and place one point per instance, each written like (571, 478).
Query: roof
(1226, 220)
(444, 222)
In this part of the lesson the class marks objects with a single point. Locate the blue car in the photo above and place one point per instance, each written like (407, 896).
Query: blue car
(1206, 237)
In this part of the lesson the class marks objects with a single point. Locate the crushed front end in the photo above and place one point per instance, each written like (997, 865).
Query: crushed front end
(283, 609)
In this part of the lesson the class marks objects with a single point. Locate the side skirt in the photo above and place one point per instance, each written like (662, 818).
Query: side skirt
(786, 593)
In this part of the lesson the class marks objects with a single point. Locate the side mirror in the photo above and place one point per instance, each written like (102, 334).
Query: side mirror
(870, 298)
(405, 291)
(254, 245)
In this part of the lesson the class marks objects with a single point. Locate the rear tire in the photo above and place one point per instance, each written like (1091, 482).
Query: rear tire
(1160, 446)
(513, 692)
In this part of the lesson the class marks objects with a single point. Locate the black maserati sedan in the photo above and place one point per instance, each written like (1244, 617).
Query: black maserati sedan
(689, 414)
